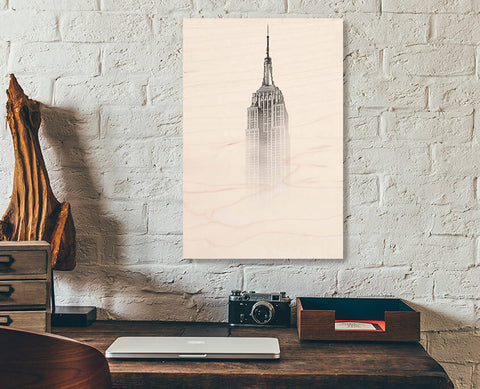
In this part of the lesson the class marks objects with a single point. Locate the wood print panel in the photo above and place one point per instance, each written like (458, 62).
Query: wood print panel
(263, 138)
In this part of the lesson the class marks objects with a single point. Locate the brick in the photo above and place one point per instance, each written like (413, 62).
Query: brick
(221, 279)
(70, 182)
(143, 183)
(36, 88)
(431, 252)
(173, 7)
(125, 250)
(267, 6)
(164, 90)
(132, 217)
(428, 190)
(460, 374)
(439, 126)
(376, 92)
(462, 29)
(165, 217)
(141, 122)
(116, 153)
(404, 221)
(362, 189)
(55, 5)
(118, 217)
(4, 49)
(84, 92)
(427, 6)
(141, 153)
(67, 125)
(69, 154)
(7, 158)
(235, 7)
(291, 278)
(213, 310)
(104, 27)
(461, 347)
(362, 61)
(385, 30)
(366, 157)
(152, 58)
(476, 306)
(456, 160)
(476, 377)
(28, 26)
(82, 286)
(196, 278)
(88, 249)
(392, 282)
(168, 33)
(456, 222)
(6, 170)
(331, 6)
(168, 154)
(460, 93)
(361, 252)
(56, 59)
(4, 129)
(146, 301)
(457, 284)
(210, 8)
(432, 60)
(362, 127)
(445, 315)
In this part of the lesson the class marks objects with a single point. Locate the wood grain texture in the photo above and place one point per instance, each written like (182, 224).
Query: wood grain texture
(34, 213)
(301, 217)
(31, 360)
(26, 320)
(302, 364)
(320, 325)
(23, 293)
(25, 285)
(23, 264)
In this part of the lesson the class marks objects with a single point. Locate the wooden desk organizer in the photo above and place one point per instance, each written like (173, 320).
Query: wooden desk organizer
(316, 319)
(25, 277)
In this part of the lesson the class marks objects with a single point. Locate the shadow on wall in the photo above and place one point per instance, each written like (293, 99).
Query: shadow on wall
(64, 134)
(70, 145)
(449, 337)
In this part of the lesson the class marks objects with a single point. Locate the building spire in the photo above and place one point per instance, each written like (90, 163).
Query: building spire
(268, 44)
(267, 65)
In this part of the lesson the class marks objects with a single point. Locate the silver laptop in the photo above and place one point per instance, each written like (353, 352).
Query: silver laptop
(169, 347)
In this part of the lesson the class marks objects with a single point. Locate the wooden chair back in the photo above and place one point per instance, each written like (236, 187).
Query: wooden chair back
(33, 360)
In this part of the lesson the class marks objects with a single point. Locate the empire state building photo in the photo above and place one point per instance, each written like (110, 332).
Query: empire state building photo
(268, 182)
(267, 137)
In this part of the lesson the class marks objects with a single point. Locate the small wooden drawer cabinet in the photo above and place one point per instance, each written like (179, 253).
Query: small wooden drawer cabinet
(25, 285)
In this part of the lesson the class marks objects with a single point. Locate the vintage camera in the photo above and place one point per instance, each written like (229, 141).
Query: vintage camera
(258, 309)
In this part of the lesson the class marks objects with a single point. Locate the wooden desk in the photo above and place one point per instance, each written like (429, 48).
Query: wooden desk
(302, 365)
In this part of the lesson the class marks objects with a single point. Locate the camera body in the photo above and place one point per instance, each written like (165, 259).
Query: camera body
(250, 309)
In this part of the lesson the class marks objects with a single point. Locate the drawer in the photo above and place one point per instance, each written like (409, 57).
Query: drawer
(23, 293)
(25, 320)
(23, 264)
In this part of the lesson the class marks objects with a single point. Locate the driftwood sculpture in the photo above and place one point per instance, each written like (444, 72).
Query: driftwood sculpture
(34, 213)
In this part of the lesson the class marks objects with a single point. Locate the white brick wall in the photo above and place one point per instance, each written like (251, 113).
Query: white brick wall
(109, 73)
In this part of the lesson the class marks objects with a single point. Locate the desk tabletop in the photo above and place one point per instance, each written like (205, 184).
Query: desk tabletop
(302, 364)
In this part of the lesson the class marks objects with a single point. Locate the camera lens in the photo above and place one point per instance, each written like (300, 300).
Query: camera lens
(262, 312)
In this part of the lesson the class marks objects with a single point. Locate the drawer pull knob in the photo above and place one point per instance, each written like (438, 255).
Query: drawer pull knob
(5, 320)
(5, 262)
(6, 290)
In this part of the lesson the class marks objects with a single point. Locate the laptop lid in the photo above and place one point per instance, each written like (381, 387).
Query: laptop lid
(170, 347)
